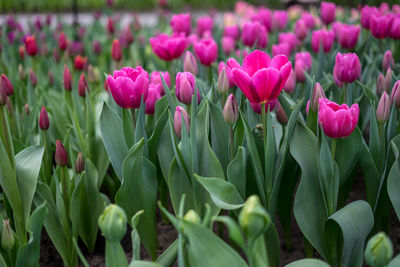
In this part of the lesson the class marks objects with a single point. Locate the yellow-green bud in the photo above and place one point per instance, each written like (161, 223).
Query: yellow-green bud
(253, 218)
(192, 216)
(112, 223)
(379, 250)
(7, 236)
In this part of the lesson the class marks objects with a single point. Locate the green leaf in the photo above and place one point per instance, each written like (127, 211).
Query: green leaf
(347, 230)
(139, 191)
(308, 263)
(236, 172)
(219, 135)
(234, 231)
(395, 262)
(223, 193)
(370, 174)
(28, 163)
(393, 182)
(169, 255)
(113, 138)
(144, 264)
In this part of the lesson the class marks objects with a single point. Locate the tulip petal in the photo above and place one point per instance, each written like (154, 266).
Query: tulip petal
(244, 82)
(265, 81)
(279, 61)
(256, 60)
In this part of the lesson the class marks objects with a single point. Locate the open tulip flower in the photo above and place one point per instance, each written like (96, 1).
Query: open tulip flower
(168, 47)
(260, 78)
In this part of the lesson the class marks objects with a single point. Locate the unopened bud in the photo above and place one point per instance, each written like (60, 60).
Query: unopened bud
(379, 250)
(3, 96)
(33, 77)
(21, 72)
(383, 109)
(387, 83)
(318, 93)
(112, 223)
(395, 95)
(253, 218)
(116, 52)
(61, 156)
(67, 79)
(380, 84)
(7, 236)
(388, 61)
(290, 84)
(190, 64)
(179, 113)
(44, 119)
(26, 109)
(281, 114)
(223, 82)
(79, 163)
(231, 111)
(5, 82)
(82, 86)
(192, 216)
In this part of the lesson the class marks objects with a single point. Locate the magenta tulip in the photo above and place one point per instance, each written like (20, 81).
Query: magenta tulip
(309, 19)
(290, 84)
(82, 86)
(204, 24)
(60, 155)
(288, 38)
(228, 45)
(128, 85)
(155, 78)
(387, 61)
(279, 20)
(185, 86)
(347, 35)
(380, 25)
(328, 12)
(395, 95)
(6, 84)
(153, 95)
(261, 78)
(306, 58)
(337, 121)
(179, 113)
(168, 47)
(264, 17)
(324, 38)
(181, 23)
(281, 49)
(44, 119)
(232, 31)
(254, 33)
(62, 41)
(67, 78)
(395, 28)
(301, 29)
(347, 67)
(31, 46)
(190, 63)
(116, 51)
(206, 50)
(366, 13)
(228, 69)
(231, 111)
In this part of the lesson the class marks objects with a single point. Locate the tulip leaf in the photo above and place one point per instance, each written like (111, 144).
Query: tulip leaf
(165, 151)
(29, 253)
(376, 147)
(309, 207)
(144, 264)
(393, 182)
(236, 172)
(140, 130)
(308, 263)
(395, 262)
(234, 231)
(204, 248)
(28, 163)
(128, 127)
(219, 135)
(346, 231)
(113, 138)
(370, 174)
(138, 191)
(223, 193)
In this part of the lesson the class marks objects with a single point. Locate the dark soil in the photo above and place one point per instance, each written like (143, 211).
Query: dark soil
(167, 234)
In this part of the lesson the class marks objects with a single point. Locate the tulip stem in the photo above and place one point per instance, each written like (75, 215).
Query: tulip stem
(344, 97)
(46, 176)
(333, 149)
(231, 142)
(64, 188)
(210, 74)
(133, 111)
(6, 136)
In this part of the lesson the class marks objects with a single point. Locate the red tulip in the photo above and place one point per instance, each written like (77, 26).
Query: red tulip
(80, 62)
(31, 46)
(67, 79)
(82, 86)
(62, 41)
(116, 52)
(61, 156)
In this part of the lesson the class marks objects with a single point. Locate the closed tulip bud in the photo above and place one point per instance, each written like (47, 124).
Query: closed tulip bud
(223, 82)
(67, 79)
(185, 87)
(82, 86)
(21, 72)
(26, 109)
(31, 46)
(61, 156)
(5, 82)
(79, 163)
(383, 109)
(44, 119)
(228, 45)
(33, 77)
(387, 83)
(388, 61)
(80, 62)
(62, 41)
(116, 52)
(7, 236)
(192, 216)
(347, 67)
(112, 223)
(395, 95)
(110, 26)
(380, 84)
(281, 114)
(253, 218)
(318, 93)
(231, 112)
(299, 69)
(379, 250)
(190, 64)
(56, 55)
(21, 51)
(301, 29)
(179, 113)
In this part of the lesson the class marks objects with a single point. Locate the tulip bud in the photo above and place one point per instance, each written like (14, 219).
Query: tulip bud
(21, 72)
(383, 110)
(56, 55)
(43, 119)
(318, 93)
(290, 84)
(379, 84)
(388, 61)
(51, 78)
(281, 114)
(253, 218)
(112, 223)
(231, 112)
(61, 156)
(379, 250)
(31, 46)
(62, 41)
(33, 77)
(79, 163)
(67, 79)
(223, 82)
(116, 52)
(21, 51)
(7, 236)
(26, 109)
(395, 95)
(387, 82)
(5, 82)
(190, 64)
(192, 216)
(179, 113)
(96, 47)
(185, 87)
(82, 86)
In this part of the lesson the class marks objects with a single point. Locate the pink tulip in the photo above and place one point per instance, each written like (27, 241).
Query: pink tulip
(337, 121)
(384, 8)
(181, 23)
(228, 69)
(317, 93)
(110, 26)
(328, 12)
(62, 41)
(128, 85)
(347, 67)
(388, 61)
(6, 84)
(299, 69)
(116, 51)
(179, 113)
(309, 19)
(281, 49)
(82, 86)
(264, 17)
(347, 35)
(168, 47)
(232, 31)
(395, 29)
(189, 63)
(261, 78)
(290, 84)
(44, 119)
(366, 13)
(383, 109)
(231, 111)
(288, 38)
(306, 58)
(323, 37)
(228, 45)
(206, 50)
(204, 24)
(301, 29)
(253, 33)
(268, 106)
(152, 97)
(155, 78)
(96, 47)
(279, 20)
(185, 86)
(380, 25)
(395, 95)
(60, 155)
(67, 78)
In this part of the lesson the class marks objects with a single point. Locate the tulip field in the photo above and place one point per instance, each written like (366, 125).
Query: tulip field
(251, 137)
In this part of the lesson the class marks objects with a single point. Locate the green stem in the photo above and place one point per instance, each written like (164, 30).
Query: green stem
(210, 74)
(6, 136)
(65, 189)
(333, 149)
(133, 111)
(231, 142)
(308, 248)
(344, 96)
(46, 174)
(265, 134)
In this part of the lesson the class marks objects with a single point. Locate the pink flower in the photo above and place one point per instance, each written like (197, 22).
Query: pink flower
(309, 19)
(281, 49)
(185, 85)
(31, 46)
(189, 63)
(155, 78)
(232, 31)
(306, 58)
(380, 25)
(206, 51)
(366, 13)
(269, 105)
(168, 47)
(323, 37)
(263, 16)
(228, 72)
(62, 41)
(279, 20)
(288, 38)
(116, 51)
(67, 79)
(261, 78)
(290, 84)
(347, 35)
(152, 97)
(300, 29)
(43, 119)
(328, 12)
(337, 121)
(253, 33)
(395, 29)
(181, 23)
(347, 67)
(204, 24)
(127, 86)
(387, 61)
(179, 113)
(228, 45)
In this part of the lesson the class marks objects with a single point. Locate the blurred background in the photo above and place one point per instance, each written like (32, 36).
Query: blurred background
(7, 6)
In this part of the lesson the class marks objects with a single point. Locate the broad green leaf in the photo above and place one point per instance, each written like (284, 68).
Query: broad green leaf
(144, 264)
(236, 172)
(223, 193)
(308, 263)
(393, 182)
(234, 231)
(395, 262)
(370, 174)
(219, 135)
(28, 163)
(165, 152)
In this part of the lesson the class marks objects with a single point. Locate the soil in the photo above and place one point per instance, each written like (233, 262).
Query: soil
(167, 234)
